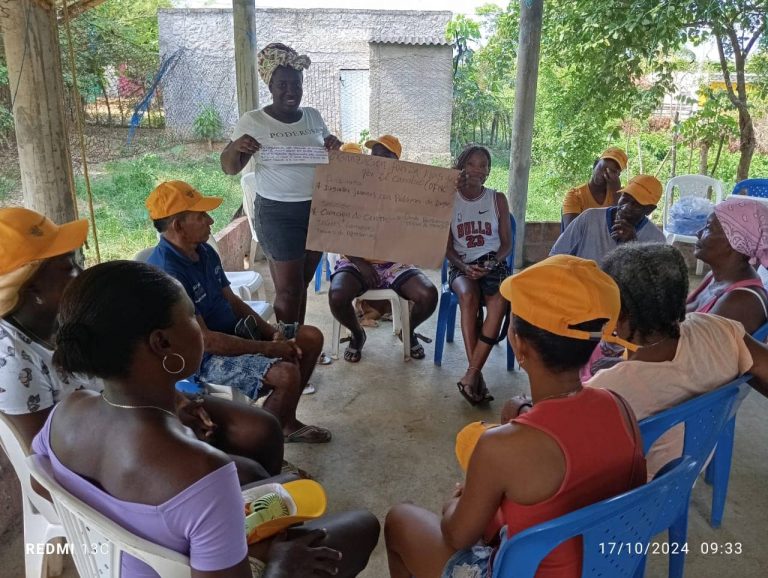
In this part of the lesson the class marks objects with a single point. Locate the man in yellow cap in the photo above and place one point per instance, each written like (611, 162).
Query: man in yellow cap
(596, 232)
(386, 145)
(602, 189)
(241, 349)
(354, 276)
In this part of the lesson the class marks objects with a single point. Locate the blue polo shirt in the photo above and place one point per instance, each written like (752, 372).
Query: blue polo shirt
(203, 280)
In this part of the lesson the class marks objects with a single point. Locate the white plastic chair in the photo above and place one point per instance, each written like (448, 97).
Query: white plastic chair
(689, 186)
(97, 542)
(245, 283)
(401, 319)
(41, 523)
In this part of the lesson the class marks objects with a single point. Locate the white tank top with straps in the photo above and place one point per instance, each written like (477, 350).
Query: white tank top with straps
(475, 225)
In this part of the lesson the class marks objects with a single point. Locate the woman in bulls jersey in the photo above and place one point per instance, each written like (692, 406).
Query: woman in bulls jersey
(479, 243)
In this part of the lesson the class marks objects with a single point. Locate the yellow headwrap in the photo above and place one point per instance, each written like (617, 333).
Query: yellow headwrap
(276, 54)
(11, 284)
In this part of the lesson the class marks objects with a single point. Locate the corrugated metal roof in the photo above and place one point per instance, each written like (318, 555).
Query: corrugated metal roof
(411, 40)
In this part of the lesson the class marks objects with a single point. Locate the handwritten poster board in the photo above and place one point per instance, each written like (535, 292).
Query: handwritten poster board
(382, 209)
(293, 155)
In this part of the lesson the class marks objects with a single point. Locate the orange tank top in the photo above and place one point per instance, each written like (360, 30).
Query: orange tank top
(603, 458)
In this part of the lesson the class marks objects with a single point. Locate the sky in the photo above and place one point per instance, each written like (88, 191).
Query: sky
(455, 6)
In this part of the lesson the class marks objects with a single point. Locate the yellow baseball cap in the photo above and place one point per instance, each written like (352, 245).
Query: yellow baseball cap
(562, 291)
(645, 189)
(389, 142)
(616, 154)
(351, 147)
(174, 197)
(27, 236)
(467, 439)
(305, 499)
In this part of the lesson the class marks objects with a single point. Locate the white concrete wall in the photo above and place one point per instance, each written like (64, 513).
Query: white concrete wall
(333, 38)
(411, 95)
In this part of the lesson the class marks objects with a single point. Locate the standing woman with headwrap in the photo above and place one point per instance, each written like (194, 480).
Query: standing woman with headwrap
(283, 192)
(733, 241)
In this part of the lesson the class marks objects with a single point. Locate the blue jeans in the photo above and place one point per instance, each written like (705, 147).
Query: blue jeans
(244, 372)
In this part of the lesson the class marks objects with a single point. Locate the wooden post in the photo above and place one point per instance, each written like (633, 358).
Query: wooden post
(244, 24)
(34, 73)
(529, 45)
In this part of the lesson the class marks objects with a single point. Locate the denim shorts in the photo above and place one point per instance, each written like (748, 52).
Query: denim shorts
(474, 562)
(243, 372)
(281, 228)
(490, 283)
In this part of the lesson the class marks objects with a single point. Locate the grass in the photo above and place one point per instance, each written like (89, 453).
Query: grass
(543, 203)
(6, 186)
(120, 188)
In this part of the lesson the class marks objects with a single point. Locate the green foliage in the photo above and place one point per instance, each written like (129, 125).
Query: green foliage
(619, 56)
(483, 84)
(6, 117)
(365, 135)
(711, 123)
(6, 186)
(6, 125)
(605, 67)
(119, 34)
(208, 125)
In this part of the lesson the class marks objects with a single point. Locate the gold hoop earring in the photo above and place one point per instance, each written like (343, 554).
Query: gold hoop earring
(183, 364)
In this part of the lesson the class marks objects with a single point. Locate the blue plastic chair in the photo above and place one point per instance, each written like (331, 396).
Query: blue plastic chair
(319, 272)
(607, 529)
(752, 188)
(718, 471)
(708, 419)
(449, 302)
(761, 334)
(189, 385)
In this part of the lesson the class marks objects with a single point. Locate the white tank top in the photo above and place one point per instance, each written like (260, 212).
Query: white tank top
(475, 225)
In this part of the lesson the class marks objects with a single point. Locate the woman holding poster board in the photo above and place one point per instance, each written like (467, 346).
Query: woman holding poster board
(283, 191)
(479, 242)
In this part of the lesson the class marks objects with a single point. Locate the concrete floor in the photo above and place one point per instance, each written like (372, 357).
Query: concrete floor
(394, 425)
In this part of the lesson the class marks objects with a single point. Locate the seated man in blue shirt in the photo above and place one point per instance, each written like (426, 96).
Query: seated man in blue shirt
(256, 359)
(596, 232)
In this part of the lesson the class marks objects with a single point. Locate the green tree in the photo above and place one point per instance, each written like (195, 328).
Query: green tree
(483, 91)
(609, 46)
(712, 124)
(116, 33)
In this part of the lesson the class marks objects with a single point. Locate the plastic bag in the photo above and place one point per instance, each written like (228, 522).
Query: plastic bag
(688, 215)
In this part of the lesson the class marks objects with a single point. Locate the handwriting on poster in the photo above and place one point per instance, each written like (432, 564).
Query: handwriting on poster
(293, 155)
(382, 209)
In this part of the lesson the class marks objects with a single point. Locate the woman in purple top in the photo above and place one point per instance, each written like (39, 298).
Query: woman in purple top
(136, 462)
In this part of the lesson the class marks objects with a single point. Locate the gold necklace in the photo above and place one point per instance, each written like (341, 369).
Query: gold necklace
(566, 394)
(122, 406)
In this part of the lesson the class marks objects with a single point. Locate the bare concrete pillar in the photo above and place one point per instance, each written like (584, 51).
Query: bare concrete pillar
(529, 45)
(34, 74)
(244, 21)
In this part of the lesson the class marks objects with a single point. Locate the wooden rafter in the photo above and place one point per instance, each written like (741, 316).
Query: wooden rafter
(78, 7)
